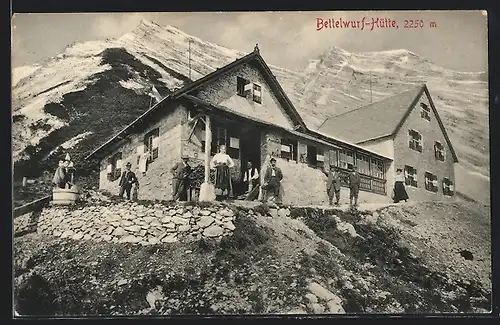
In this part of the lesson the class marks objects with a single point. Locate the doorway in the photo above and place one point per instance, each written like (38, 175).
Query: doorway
(250, 146)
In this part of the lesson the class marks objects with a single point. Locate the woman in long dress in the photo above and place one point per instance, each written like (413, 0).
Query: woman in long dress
(399, 187)
(222, 163)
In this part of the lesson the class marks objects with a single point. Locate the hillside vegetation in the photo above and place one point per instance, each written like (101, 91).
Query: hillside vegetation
(431, 257)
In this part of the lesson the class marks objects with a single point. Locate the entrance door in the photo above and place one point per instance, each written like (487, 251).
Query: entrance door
(250, 148)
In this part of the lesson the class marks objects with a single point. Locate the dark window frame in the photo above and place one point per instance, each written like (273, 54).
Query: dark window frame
(410, 173)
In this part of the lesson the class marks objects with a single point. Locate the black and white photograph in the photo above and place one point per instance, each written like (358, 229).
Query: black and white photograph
(250, 163)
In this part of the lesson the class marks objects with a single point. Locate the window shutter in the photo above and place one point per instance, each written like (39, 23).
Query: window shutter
(155, 142)
(320, 158)
(110, 168)
(155, 153)
(248, 88)
(119, 164)
(140, 149)
(234, 143)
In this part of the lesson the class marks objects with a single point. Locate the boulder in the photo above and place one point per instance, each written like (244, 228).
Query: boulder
(213, 231)
(229, 225)
(205, 221)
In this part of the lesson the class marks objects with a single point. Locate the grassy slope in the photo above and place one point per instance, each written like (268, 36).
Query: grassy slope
(396, 266)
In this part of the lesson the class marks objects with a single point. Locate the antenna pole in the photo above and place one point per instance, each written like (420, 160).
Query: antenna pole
(189, 59)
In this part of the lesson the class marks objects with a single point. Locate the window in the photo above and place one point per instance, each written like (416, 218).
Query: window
(243, 87)
(221, 136)
(431, 182)
(114, 168)
(447, 187)
(415, 142)
(346, 159)
(257, 93)
(289, 149)
(439, 151)
(315, 156)
(151, 143)
(333, 158)
(363, 163)
(425, 113)
(410, 176)
(377, 169)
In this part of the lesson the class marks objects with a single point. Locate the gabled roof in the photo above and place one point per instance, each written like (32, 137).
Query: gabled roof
(380, 119)
(266, 71)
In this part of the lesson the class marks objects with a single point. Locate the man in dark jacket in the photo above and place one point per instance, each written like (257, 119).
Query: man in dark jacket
(272, 181)
(127, 180)
(354, 183)
(180, 179)
(333, 185)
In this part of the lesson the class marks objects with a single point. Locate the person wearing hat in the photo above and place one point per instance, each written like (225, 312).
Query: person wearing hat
(333, 185)
(354, 183)
(272, 181)
(180, 179)
(127, 180)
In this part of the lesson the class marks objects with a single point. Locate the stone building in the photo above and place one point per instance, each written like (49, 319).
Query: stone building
(244, 107)
(407, 128)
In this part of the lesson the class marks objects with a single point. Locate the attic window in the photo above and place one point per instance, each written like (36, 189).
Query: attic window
(425, 113)
(447, 187)
(431, 183)
(243, 87)
(439, 151)
(415, 141)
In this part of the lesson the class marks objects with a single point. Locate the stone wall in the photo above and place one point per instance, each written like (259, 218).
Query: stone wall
(424, 161)
(156, 183)
(128, 222)
(223, 91)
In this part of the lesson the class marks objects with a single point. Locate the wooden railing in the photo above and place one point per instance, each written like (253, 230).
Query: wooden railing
(32, 206)
(368, 183)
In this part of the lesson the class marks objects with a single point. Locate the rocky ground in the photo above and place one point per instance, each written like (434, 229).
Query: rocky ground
(409, 258)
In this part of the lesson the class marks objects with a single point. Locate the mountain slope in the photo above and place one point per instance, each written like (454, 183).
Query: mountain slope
(93, 89)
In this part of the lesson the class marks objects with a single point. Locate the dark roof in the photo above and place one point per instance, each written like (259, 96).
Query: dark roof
(268, 75)
(372, 121)
(380, 119)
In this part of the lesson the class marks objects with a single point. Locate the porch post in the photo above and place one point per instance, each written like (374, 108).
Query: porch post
(207, 192)
(208, 145)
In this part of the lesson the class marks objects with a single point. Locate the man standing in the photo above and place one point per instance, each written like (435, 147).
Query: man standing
(272, 181)
(127, 180)
(180, 180)
(251, 177)
(354, 183)
(333, 185)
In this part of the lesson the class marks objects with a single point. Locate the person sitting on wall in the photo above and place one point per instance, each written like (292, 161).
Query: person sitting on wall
(333, 185)
(250, 178)
(272, 182)
(60, 176)
(399, 192)
(222, 164)
(127, 179)
(180, 180)
(354, 183)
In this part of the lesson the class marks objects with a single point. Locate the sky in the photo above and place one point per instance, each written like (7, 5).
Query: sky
(289, 39)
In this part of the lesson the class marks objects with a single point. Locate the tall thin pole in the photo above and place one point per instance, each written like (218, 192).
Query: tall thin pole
(150, 101)
(189, 59)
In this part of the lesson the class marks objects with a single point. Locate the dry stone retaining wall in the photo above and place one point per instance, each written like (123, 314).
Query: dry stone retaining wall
(134, 223)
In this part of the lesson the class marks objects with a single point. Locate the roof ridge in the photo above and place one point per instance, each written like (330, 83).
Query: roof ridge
(377, 102)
